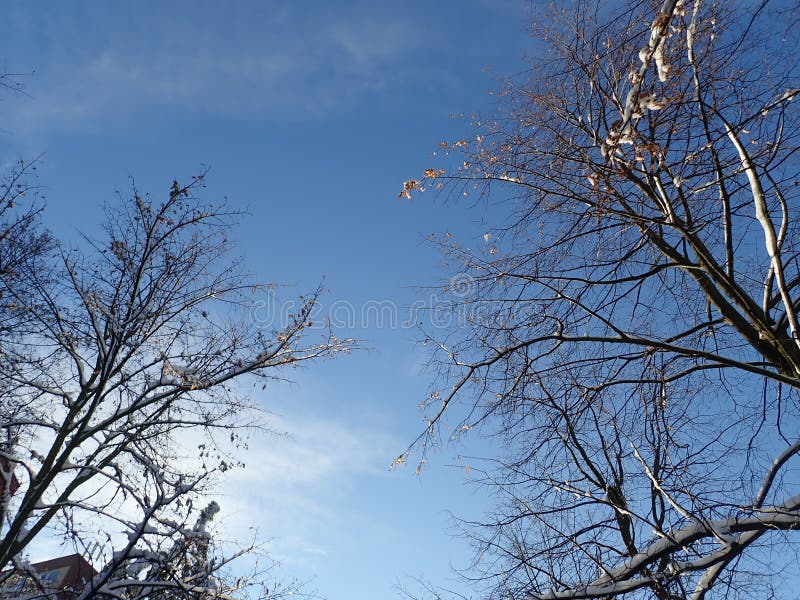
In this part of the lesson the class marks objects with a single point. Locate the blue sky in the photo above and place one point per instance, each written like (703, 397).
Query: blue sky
(310, 115)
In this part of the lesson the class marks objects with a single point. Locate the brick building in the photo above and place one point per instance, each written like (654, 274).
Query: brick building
(59, 579)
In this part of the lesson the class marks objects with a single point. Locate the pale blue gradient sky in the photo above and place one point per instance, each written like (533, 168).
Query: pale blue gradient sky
(310, 115)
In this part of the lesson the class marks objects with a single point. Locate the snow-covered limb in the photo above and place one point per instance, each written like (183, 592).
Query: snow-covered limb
(638, 572)
(772, 241)
(637, 102)
(183, 566)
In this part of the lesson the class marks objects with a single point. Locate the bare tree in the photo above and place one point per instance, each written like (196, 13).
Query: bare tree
(187, 562)
(120, 352)
(631, 330)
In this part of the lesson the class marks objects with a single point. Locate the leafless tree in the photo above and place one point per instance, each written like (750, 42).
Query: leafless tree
(630, 331)
(117, 356)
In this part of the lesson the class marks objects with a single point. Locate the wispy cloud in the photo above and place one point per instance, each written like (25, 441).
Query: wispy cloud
(296, 488)
(219, 60)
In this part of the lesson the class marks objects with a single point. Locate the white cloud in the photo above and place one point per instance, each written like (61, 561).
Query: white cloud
(294, 489)
(293, 62)
(370, 42)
